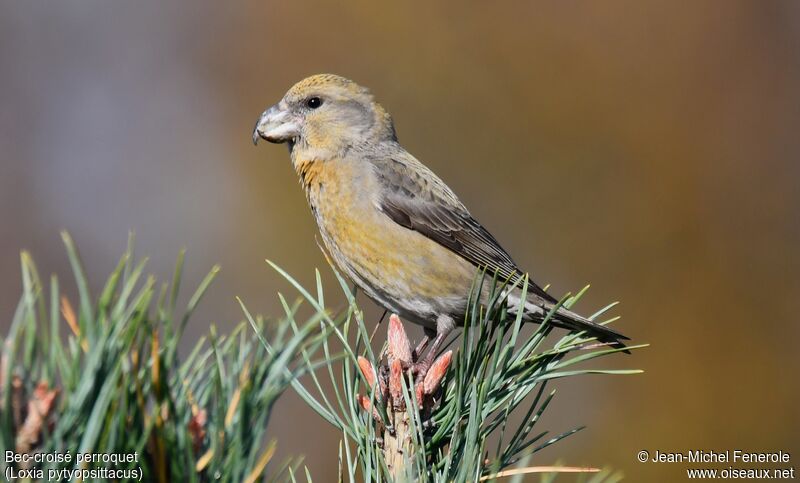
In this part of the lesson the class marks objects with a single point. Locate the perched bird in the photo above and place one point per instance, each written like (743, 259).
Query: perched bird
(389, 223)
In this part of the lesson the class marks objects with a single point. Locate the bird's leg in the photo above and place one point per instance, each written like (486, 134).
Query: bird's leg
(420, 368)
(444, 325)
(423, 343)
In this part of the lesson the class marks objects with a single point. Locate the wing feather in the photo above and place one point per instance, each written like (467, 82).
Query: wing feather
(414, 197)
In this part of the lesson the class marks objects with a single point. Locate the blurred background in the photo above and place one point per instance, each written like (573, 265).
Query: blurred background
(649, 149)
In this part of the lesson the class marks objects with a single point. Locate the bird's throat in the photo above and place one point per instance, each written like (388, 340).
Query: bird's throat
(309, 171)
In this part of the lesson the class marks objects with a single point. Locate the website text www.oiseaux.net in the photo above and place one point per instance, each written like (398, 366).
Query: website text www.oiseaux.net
(733, 464)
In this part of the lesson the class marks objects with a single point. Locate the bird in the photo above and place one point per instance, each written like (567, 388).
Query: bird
(388, 222)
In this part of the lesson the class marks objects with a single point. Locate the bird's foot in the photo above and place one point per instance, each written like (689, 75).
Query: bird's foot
(420, 369)
(429, 371)
(423, 343)
(390, 377)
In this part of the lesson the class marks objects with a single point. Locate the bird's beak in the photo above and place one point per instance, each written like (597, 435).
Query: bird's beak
(276, 125)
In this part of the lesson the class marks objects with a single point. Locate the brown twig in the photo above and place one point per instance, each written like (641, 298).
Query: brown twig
(39, 407)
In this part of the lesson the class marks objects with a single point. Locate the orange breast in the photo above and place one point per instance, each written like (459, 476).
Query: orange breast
(369, 246)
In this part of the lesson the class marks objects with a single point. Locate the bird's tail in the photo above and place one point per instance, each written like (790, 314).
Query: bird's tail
(535, 309)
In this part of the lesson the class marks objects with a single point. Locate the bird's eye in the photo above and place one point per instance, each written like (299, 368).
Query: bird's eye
(314, 102)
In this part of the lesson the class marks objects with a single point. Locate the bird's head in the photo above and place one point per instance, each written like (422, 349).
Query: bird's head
(325, 111)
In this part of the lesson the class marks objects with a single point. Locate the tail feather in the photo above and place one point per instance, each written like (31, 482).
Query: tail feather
(568, 319)
(537, 310)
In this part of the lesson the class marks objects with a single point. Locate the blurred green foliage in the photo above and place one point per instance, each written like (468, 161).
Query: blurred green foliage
(116, 384)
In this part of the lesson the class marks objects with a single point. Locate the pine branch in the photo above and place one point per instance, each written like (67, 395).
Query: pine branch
(105, 376)
(396, 430)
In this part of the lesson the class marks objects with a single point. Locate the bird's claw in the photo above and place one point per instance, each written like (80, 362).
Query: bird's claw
(387, 378)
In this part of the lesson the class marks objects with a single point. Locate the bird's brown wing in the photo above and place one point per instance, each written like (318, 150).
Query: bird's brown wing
(414, 197)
